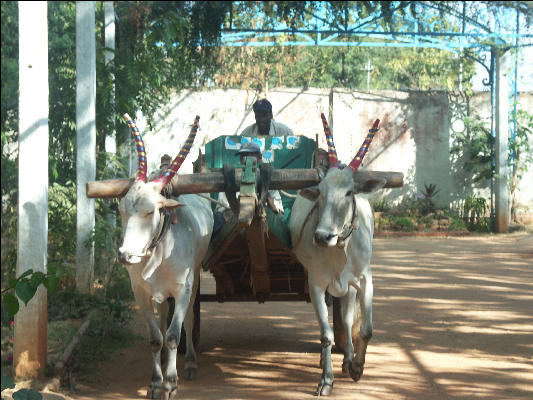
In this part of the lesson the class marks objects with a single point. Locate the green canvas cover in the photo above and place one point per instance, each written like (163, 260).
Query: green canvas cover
(279, 151)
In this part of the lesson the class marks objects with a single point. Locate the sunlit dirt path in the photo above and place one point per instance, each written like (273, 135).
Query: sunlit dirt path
(453, 319)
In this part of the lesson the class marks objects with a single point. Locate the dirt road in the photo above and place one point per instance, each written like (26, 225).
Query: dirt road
(453, 319)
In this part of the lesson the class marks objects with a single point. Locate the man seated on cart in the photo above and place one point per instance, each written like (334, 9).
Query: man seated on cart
(264, 126)
(264, 122)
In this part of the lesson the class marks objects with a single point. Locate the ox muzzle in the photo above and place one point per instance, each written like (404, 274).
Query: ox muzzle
(324, 238)
(127, 258)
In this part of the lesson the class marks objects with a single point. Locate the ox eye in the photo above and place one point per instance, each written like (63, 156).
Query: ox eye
(349, 193)
(149, 214)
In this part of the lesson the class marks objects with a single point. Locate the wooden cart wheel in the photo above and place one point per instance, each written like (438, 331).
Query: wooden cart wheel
(195, 327)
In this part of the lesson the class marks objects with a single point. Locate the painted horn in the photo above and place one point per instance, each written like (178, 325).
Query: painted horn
(356, 162)
(141, 152)
(333, 160)
(175, 165)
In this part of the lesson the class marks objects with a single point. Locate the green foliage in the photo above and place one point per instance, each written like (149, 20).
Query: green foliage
(430, 191)
(381, 206)
(106, 334)
(62, 88)
(69, 303)
(474, 214)
(472, 152)
(163, 47)
(402, 223)
(10, 70)
(521, 155)
(472, 149)
(457, 224)
(416, 204)
(25, 286)
(326, 67)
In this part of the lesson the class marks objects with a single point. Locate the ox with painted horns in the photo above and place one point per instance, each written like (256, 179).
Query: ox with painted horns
(165, 240)
(332, 227)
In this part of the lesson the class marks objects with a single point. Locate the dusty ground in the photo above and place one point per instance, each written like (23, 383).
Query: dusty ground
(453, 319)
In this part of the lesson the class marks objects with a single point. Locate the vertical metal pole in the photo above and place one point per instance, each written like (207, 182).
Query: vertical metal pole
(502, 138)
(492, 131)
(515, 84)
(29, 352)
(86, 141)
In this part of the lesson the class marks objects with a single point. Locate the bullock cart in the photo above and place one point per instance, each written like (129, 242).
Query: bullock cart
(251, 256)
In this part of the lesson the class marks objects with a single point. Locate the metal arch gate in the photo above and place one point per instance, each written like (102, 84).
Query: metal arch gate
(422, 24)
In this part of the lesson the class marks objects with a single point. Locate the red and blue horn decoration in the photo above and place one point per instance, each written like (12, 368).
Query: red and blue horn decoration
(175, 165)
(356, 162)
(333, 160)
(141, 151)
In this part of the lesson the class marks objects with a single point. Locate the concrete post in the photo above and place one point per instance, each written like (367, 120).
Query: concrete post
(86, 140)
(31, 320)
(111, 138)
(501, 194)
(109, 22)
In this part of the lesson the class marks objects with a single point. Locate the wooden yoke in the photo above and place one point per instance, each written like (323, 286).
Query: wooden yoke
(213, 182)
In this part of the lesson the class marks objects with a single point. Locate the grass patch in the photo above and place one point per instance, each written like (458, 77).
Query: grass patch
(106, 335)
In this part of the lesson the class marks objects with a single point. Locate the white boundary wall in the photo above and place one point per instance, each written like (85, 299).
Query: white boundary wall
(415, 137)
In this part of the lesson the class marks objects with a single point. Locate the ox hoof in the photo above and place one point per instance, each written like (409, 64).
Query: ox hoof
(346, 366)
(190, 374)
(169, 394)
(324, 389)
(154, 391)
(356, 371)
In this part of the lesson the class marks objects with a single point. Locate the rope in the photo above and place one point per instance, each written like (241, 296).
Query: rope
(214, 201)
(289, 195)
(315, 206)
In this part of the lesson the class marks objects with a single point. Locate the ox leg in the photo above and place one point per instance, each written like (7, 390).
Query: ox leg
(156, 342)
(365, 331)
(317, 295)
(162, 311)
(172, 339)
(190, 367)
(350, 312)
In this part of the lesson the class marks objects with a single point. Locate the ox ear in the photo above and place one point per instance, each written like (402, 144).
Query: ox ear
(369, 185)
(311, 193)
(171, 204)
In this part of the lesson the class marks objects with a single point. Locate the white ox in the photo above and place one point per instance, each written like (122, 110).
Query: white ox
(165, 267)
(332, 229)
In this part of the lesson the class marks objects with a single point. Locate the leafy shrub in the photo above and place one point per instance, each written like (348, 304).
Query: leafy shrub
(457, 224)
(404, 224)
(381, 206)
(430, 191)
(475, 209)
